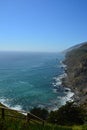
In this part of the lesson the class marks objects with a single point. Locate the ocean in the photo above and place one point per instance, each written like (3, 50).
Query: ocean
(30, 80)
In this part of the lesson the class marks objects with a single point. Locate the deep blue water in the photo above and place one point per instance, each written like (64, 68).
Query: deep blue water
(30, 79)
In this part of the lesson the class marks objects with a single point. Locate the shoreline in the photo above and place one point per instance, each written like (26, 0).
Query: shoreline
(65, 84)
(59, 86)
(63, 80)
(76, 80)
(13, 109)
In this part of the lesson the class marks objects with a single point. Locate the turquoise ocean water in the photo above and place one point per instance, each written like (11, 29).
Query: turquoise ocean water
(30, 80)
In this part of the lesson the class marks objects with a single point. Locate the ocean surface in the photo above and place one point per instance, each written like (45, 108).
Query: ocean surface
(30, 80)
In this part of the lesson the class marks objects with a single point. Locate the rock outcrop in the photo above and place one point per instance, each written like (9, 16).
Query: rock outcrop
(76, 61)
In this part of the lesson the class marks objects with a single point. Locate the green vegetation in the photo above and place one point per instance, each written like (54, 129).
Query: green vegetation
(15, 124)
(69, 114)
(19, 122)
(40, 112)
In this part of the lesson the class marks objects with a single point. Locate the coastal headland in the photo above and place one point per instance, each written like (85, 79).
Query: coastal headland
(76, 79)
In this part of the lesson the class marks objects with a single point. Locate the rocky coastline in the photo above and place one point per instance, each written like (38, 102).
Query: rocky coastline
(76, 70)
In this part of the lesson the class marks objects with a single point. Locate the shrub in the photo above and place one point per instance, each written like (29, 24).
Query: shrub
(42, 113)
(68, 114)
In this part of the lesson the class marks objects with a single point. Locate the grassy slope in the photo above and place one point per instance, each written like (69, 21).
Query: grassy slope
(15, 124)
(10, 123)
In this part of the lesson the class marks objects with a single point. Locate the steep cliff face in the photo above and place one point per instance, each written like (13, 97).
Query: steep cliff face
(76, 61)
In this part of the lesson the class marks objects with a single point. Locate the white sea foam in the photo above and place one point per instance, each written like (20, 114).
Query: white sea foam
(41, 106)
(68, 95)
(62, 76)
(19, 109)
(4, 101)
(68, 89)
(58, 80)
(66, 98)
(63, 65)
(16, 107)
(60, 101)
(22, 82)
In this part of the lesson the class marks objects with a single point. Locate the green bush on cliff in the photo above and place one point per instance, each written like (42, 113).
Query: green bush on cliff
(40, 112)
(68, 114)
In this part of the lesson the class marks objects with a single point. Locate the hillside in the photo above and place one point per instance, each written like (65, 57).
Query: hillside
(18, 122)
(76, 61)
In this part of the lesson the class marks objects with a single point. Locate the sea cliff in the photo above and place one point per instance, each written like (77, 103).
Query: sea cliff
(76, 61)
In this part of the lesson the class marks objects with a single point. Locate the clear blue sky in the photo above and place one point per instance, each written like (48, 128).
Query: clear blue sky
(42, 25)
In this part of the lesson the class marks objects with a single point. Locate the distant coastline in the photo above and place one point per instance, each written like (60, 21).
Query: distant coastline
(71, 93)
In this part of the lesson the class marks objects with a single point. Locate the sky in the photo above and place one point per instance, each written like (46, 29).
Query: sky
(42, 25)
